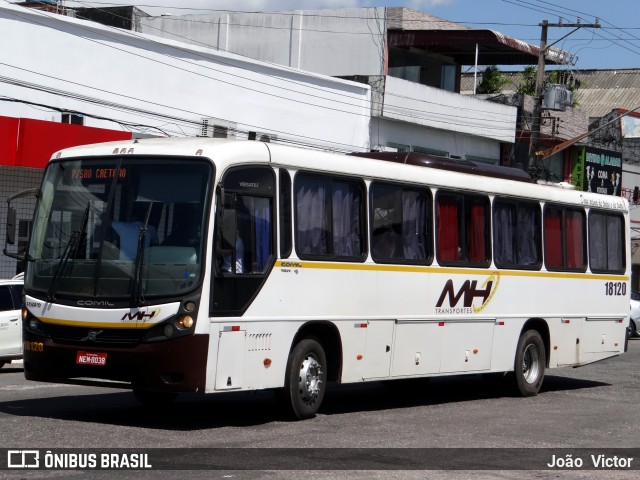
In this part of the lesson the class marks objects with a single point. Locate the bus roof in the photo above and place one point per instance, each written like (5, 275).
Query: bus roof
(399, 167)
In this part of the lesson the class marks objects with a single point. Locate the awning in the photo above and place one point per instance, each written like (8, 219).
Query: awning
(494, 48)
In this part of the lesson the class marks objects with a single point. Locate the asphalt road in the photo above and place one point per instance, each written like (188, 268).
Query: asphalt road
(593, 408)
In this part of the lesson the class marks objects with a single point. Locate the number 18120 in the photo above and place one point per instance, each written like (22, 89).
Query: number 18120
(615, 288)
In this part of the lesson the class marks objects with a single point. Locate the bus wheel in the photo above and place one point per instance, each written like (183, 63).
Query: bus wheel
(306, 378)
(149, 398)
(529, 363)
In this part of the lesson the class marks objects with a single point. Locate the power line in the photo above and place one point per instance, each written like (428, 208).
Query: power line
(540, 6)
(178, 120)
(263, 83)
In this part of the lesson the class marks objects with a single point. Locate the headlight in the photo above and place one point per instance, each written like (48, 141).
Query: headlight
(184, 321)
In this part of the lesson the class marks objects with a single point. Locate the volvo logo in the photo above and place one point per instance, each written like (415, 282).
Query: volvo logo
(91, 336)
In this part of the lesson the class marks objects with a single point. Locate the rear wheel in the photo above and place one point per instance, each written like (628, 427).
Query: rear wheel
(633, 330)
(2, 364)
(306, 378)
(529, 363)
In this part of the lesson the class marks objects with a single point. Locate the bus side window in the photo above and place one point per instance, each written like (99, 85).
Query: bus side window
(606, 242)
(330, 218)
(400, 224)
(564, 238)
(286, 242)
(463, 226)
(516, 234)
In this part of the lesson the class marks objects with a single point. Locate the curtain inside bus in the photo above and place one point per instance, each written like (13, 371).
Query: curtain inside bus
(553, 237)
(447, 213)
(476, 234)
(574, 245)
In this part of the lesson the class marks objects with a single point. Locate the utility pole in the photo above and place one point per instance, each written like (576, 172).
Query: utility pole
(536, 121)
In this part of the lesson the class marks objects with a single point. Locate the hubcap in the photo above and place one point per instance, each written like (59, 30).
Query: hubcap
(310, 379)
(530, 364)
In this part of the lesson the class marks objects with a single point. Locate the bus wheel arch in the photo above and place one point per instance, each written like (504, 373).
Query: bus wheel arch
(314, 358)
(542, 327)
(531, 358)
(327, 335)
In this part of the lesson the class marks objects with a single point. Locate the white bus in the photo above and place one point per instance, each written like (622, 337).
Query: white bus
(207, 265)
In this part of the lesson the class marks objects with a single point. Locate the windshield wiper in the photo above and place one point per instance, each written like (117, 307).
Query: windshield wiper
(72, 246)
(137, 294)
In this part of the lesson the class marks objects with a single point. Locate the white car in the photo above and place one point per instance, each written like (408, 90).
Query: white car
(10, 322)
(634, 315)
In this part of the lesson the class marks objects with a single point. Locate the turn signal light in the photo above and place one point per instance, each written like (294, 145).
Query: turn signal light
(24, 314)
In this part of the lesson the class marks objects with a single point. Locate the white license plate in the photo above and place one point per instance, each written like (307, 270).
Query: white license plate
(91, 358)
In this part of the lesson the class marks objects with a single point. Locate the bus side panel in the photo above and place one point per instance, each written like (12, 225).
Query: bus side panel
(417, 348)
(466, 346)
(601, 335)
(355, 335)
(565, 341)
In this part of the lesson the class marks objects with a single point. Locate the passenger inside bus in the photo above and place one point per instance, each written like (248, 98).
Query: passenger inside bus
(385, 243)
(229, 254)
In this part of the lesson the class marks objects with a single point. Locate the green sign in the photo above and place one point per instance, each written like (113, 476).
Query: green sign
(596, 170)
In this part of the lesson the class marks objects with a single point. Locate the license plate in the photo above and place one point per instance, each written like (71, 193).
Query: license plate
(91, 358)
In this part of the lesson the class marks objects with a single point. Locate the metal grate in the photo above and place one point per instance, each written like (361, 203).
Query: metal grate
(66, 335)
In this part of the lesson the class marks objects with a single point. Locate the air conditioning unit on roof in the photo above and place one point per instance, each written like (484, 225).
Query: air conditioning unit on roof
(218, 128)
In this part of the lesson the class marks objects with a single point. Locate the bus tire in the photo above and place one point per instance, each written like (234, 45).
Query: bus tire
(529, 363)
(149, 398)
(306, 378)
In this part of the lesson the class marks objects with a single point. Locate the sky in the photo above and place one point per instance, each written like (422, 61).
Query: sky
(615, 45)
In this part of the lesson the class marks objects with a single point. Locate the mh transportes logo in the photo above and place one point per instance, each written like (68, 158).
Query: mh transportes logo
(474, 297)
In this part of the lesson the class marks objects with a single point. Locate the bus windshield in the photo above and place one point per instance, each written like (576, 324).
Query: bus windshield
(119, 229)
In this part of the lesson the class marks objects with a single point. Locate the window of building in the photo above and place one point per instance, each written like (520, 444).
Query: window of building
(72, 118)
(429, 151)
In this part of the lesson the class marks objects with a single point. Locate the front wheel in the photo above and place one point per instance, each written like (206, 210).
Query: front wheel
(529, 363)
(306, 378)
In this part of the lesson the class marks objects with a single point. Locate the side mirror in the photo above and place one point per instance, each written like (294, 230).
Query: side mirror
(12, 222)
(11, 226)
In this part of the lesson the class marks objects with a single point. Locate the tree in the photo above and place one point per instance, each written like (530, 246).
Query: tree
(492, 81)
(528, 84)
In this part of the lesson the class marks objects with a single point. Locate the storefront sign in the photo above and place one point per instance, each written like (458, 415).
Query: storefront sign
(596, 170)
